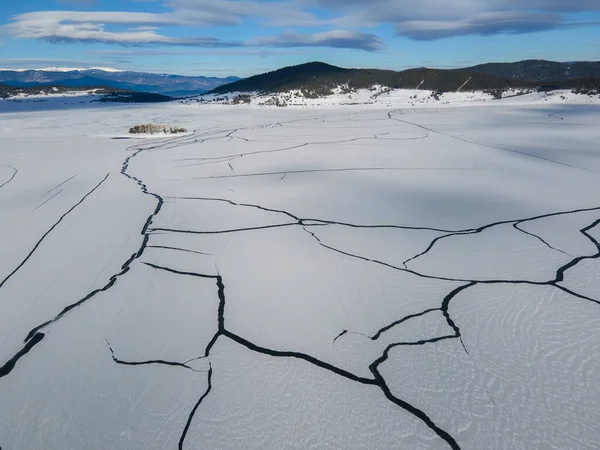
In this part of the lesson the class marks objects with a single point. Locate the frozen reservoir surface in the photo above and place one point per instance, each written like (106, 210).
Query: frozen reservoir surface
(345, 277)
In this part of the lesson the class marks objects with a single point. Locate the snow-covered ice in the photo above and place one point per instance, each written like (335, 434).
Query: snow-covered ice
(371, 276)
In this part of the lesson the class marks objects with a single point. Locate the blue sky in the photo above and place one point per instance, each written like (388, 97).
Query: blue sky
(244, 37)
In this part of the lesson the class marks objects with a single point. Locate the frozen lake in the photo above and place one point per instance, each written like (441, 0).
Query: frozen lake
(365, 277)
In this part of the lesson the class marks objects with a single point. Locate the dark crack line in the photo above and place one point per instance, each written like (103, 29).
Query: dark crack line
(575, 294)
(212, 135)
(149, 362)
(220, 293)
(468, 141)
(194, 359)
(42, 204)
(432, 244)
(374, 227)
(39, 242)
(316, 222)
(59, 185)
(231, 202)
(185, 250)
(180, 272)
(443, 309)
(15, 171)
(11, 363)
(553, 283)
(340, 335)
(391, 266)
(258, 152)
(343, 169)
(234, 230)
(239, 155)
(560, 273)
(177, 141)
(342, 141)
(398, 322)
(288, 354)
(446, 306)
(210, 162)
(539, 238)
(374, 368)
(491, 399)
(213, 159)
(196, 406)
(305, 221)
(585, 232)
(495, 224)
(423, 341)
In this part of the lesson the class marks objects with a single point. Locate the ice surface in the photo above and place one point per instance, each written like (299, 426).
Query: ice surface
(370, 276)
(530, 369)
(263, 407)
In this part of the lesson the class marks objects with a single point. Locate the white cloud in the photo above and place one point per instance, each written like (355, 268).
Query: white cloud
(334, 38)
(432, 19)
(416, 19)
(482, 24)
(232, 12)
(145, 28)
(71, 26)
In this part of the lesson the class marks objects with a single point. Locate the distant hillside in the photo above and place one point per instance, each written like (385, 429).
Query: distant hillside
(538, 71)
(317, 79)
(106, 94)
(134, 81)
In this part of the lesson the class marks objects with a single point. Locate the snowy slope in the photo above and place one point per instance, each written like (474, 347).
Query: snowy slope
(381, 96)
(354, 277)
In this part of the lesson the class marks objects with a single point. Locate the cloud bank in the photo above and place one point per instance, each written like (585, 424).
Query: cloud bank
(343, 23)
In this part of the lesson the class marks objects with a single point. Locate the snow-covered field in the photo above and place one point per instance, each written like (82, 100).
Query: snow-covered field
(51, 100)
(356, 277)
(379, 96)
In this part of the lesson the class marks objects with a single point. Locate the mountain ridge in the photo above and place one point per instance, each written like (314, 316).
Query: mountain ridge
(316, 79)
(129, 80)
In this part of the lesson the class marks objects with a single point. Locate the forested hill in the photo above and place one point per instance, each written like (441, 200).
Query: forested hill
(320, 78)
(540, 71)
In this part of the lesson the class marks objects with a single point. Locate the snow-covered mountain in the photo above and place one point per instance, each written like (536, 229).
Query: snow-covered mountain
(64, 69)
(318, 79)
(174, 85)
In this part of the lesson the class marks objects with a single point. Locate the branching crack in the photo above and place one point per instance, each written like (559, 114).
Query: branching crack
(12, 177)
(39, 242)
(149, 362)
